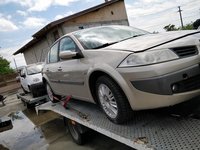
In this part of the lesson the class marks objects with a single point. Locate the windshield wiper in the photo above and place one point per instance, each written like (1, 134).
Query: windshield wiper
(105, 45)
(131, 37)
(108, 44)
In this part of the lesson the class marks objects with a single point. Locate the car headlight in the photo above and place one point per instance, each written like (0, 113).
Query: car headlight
(36, 80)
(148, 57)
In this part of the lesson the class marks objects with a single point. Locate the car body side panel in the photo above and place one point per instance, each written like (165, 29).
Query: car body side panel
(73, 79)
(114, 75)
(51, 71)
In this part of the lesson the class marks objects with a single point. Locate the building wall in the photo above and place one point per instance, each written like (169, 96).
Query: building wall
(71, 28)
(37, 53)
(114, 14)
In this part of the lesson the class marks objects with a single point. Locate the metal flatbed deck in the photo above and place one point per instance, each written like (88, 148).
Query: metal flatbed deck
(28, 99)
(147, 130)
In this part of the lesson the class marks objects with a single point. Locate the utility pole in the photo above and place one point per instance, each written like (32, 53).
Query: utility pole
(15, 64)
(179, 10)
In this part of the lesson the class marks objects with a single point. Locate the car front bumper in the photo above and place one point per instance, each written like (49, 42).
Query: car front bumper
(161, 85)
(177, 82)
(39, 87)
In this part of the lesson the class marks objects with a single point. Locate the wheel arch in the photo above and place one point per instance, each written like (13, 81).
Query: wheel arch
(113, 75)
(45, 79)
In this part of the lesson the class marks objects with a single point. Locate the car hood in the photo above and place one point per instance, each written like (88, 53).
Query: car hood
(34, 78)
(161, 40)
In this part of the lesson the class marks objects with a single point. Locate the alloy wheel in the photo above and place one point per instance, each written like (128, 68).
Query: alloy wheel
(107, 101)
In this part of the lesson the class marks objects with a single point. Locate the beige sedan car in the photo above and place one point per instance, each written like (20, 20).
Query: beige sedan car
(123, 68)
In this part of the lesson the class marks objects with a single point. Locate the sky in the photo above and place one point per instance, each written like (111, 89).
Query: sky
(20, 19)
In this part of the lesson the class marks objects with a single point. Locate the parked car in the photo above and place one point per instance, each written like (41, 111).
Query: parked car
(123, 68)
(31, 79)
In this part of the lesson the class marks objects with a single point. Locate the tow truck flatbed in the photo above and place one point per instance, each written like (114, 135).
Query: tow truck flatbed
(147, 130)
(29, 100)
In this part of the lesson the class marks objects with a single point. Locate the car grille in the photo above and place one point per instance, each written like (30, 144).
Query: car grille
(186, 51)
(190, 84)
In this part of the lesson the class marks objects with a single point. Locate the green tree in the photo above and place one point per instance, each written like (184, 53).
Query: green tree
(5, 66)
(196, 24)
(172, 27)
(188, 26)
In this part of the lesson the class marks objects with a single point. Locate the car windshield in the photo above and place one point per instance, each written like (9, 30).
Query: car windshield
(34, 69)
(100, 37)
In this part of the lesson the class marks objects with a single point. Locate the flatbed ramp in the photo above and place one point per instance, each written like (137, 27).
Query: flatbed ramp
(28, 99)
(147, 130)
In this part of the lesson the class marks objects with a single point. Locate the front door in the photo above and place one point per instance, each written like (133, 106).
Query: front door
(73, 71)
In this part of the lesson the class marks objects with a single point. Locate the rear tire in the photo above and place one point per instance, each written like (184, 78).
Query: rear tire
(53, 97)
(112, 100)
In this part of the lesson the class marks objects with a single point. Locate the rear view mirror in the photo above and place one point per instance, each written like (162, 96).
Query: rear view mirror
(67, 54)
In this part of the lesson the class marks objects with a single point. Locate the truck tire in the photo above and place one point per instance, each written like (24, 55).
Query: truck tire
(75, 133)
(112, 100)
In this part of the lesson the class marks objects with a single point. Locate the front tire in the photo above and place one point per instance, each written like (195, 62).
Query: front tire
(112, 100)
(53, 97)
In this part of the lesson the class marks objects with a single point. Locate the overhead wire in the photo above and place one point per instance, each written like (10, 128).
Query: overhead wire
(177, 20)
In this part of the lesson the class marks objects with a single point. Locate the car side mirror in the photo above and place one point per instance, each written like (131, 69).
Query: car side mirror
(23, 75)
(67, 54)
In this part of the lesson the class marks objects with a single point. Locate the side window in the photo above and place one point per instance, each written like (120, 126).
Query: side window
(22, 72)
(67, 44)
(53, 55)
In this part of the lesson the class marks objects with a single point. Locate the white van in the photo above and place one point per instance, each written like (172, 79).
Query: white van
(31, 79)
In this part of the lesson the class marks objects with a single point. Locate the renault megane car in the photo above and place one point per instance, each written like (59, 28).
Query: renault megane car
(122, 68)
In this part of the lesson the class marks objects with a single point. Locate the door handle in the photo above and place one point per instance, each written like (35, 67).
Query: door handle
(59, 69)
(47, 69)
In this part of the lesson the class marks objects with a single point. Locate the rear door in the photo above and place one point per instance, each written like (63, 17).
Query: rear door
(51, 69)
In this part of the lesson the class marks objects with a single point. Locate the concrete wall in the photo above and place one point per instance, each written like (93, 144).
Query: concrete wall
(37, 53)
(71, 28)
(114, 14)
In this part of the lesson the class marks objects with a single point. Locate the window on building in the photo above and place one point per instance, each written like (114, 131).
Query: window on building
(53, 55)
(67, 44)
(56, 35)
